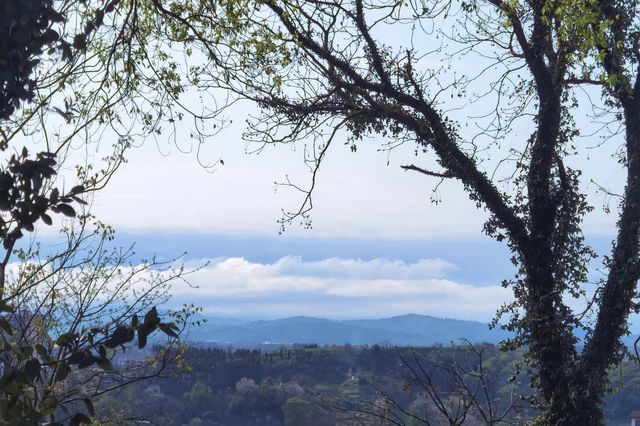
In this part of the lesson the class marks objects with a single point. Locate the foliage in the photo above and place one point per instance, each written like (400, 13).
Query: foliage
(65, 317)
(27, 29)
(199, 396)
(57, 346)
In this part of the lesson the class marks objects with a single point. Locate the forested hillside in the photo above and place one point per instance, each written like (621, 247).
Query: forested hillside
(404, 330)
(346, 385)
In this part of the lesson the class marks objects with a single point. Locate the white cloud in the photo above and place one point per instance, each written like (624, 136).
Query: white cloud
(339, 288)
(357, 268)
(345, 277)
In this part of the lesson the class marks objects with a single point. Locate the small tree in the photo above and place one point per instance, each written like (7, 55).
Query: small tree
(79, 308)
(69, 312)
(199, 396)
(64, 317)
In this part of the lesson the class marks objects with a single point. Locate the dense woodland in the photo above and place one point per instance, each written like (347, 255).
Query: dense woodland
(345, 385)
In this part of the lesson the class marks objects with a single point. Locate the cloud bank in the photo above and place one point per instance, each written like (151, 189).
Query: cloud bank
(336, 288)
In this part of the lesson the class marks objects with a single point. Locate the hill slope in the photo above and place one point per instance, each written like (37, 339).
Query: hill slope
(412, 329)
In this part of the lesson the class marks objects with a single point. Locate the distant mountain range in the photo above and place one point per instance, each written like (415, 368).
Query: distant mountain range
(412, 329)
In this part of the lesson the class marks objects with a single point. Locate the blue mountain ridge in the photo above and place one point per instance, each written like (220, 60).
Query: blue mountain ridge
(411, 329)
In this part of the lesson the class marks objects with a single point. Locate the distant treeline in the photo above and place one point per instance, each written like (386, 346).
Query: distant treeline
(345, 385)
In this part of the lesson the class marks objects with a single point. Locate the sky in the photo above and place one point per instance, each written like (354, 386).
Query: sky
(379, 245)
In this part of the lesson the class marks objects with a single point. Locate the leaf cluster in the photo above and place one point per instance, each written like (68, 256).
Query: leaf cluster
(26, 26)
(33, 373)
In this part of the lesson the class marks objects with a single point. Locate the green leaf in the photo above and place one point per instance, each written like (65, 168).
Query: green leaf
(142, 337)
(46, 219)
(78, 189)
(120, 336)
(6, 327)
(32, 370)
(53, 197)
(172, 325)
(151, 318)
(87, 360)
(62, 372)
(66, 210)
(42, 351)
(80, 41)
(75, 357)
(166, 329)
(65, 339)
(104, 363)
(79, 200)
